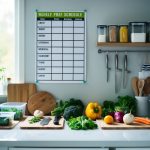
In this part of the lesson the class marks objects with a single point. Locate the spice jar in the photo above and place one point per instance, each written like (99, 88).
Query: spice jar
(113, 33)
(123, 33)
(102, 33)
(138, 31)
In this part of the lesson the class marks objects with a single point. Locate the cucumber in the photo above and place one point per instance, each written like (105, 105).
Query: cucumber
(4, 121)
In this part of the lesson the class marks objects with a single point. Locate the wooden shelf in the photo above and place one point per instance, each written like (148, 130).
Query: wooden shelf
(137, 44)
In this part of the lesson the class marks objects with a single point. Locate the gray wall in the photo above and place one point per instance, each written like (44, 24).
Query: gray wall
(98, 12)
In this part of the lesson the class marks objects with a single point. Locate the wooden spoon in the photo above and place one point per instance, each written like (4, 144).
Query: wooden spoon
(134, 82)
(141, 83)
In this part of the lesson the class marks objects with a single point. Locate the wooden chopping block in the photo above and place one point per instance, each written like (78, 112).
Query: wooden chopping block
(43, 101)
(146, 89)
(20, 92)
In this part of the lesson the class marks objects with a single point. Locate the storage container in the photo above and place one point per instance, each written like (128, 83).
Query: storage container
(12, 106)
(113, 33)
(123, 33)
(101, 33)
(138, 31)
(10, 115)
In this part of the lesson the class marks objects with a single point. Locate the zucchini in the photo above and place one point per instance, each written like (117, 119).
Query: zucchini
(4, 121)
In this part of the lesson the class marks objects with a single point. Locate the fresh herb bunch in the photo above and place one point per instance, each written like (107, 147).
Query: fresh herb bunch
(59, 110)
(81, 123)
(34, 120)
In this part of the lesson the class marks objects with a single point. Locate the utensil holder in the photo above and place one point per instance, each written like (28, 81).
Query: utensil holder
(142, 106)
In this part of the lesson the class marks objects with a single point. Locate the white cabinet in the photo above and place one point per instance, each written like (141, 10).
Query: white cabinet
(58, 149)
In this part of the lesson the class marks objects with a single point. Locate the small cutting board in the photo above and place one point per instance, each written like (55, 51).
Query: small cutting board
(116, 125)
(12, 125)
(26, 125)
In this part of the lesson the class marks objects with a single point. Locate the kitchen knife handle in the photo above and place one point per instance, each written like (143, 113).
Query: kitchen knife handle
(107, 62)
(116, 62)
(56, 120)
(125, 62)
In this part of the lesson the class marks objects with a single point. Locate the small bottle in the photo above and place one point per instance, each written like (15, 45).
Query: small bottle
(113, 33)
(101, 33)
(123, 33)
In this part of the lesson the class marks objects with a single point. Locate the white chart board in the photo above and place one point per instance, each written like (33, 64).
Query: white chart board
(61, 47)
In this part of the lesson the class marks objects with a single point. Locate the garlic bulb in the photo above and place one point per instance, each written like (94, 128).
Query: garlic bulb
(38, 113)
(128, 118)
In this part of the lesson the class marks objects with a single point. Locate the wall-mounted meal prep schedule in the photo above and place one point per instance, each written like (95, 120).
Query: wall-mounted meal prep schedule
(61, 47)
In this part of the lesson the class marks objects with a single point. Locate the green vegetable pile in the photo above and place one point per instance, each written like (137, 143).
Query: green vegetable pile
(125, 104)
(81, 123)
(34, 120)
(18, 113)
(68, 108)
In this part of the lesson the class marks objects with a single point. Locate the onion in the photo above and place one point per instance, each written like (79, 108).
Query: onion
(119, 116)
(38, 113)
(128, 118)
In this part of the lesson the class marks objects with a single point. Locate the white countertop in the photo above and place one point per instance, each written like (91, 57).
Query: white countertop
(72, 138)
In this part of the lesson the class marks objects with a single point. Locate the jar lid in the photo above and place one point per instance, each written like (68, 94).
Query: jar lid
(101, 25)
(137, 22)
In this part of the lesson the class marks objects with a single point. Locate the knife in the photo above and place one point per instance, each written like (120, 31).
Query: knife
(117, 74)
(45, 121)
(107, 66)
(126, 71)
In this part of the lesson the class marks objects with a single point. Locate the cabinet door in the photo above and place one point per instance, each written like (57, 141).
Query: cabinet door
(133, 148)
(58, 149)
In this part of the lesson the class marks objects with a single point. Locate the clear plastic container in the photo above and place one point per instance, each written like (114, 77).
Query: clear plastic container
(9, 115)
(113, 33)
(123, 33)
(21, 106)
(138, 31)
(101, 33)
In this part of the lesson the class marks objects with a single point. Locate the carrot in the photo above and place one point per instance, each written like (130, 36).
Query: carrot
(142, 120)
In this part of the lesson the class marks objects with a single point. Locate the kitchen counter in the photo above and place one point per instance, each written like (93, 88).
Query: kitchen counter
(70, 138)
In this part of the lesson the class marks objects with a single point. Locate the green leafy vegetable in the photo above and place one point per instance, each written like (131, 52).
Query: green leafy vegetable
(34, 120)
(72, 111)
(59, 110)
(126, 104)
(81, 123)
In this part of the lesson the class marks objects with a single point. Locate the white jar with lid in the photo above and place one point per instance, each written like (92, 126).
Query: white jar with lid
(101, 33)
(138, 31)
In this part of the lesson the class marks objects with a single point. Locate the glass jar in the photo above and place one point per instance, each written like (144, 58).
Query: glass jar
(101, 33)
(123, 33)
(148, 32)
(113, 33)
(138, 31)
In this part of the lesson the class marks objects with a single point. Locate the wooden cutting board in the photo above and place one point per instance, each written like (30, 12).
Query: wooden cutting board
(116, 125)
(12, 125)
(26, 125)
(43, 101)
(20, 92)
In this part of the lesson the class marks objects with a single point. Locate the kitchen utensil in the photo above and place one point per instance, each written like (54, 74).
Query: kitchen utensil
(141, 83)
(126, 71)
(116, 125)
(146, 89)
(43, 101)
(56, 120)
(134, 84)
(45, 121)
(26, 125)
(117, 74)
(107, 66)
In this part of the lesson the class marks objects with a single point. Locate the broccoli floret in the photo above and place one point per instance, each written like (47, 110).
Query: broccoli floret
(72, 111)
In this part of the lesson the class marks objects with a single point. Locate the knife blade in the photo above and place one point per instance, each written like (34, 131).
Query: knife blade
(45, 121)
(107, 67)
(117, 74)
(126, 71)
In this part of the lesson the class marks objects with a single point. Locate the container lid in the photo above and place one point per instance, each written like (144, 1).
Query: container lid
(137, 23)
(101, 25)
(13, 104)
